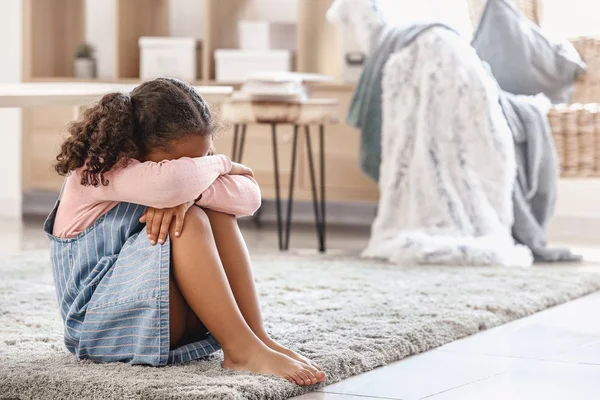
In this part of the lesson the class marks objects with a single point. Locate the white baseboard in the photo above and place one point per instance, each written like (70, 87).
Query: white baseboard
(577, 212)
(40, 203)
(338, 213)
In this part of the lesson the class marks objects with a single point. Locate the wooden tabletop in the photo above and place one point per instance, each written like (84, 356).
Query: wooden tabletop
(76, 94)
(311, 111)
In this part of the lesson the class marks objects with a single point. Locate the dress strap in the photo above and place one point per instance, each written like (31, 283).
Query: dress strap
(49, 223)
(62, 188)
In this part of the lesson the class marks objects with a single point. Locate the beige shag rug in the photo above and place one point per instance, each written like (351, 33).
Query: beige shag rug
(349, 315)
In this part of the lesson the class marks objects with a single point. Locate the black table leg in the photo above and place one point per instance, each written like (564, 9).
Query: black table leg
(288, 222)
(318, 204)
(322, 166)
(277, 196)
(319, 211)
(240, 153)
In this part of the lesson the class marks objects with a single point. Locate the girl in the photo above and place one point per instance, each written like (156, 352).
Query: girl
(138, 168)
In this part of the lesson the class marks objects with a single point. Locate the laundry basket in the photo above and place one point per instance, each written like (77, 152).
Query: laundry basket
(575, 126)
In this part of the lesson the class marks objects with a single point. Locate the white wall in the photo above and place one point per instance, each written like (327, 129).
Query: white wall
(571, 18)
(100, 32)
(10, 119)
(454, 13)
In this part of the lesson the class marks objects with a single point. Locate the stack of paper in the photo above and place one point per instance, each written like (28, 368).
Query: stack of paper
(281, 87)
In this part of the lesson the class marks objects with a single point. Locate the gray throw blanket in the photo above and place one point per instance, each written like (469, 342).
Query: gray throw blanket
(535, 189)
(365, 108)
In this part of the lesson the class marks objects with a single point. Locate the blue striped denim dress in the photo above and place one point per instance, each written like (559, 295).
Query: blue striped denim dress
(112, 288)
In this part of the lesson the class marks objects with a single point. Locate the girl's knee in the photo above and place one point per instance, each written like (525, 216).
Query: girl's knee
(197, 217)
(195, 221)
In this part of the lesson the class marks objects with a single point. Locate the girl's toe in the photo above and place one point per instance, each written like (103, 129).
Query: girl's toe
(311, 375)
(298, 379)
(306, 376)
(321, 376)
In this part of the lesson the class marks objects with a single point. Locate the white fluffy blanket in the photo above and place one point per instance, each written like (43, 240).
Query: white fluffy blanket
(448, 161)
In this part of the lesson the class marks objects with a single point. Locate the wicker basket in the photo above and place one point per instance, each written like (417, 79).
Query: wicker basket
(575, 127)
(576, 132)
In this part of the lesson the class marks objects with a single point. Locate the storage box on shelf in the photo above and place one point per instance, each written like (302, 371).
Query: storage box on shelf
(170, 56)
(263, 46)
(238, 65)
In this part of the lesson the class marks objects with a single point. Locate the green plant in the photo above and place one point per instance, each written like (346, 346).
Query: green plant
(85, 50)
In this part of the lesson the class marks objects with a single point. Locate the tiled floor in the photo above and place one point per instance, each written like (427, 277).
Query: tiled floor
(554, 354)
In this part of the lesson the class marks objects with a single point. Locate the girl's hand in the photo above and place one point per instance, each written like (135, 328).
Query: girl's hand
(240, 169)
(158, 221)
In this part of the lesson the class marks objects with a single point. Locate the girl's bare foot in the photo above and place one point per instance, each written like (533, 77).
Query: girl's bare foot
(263, 360)
(273, 345)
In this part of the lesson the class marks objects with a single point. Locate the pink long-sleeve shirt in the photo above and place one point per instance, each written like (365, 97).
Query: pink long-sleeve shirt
(202, 180)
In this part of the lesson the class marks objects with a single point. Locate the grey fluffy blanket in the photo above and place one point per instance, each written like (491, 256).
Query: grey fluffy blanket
(535, 188)
(365, 108)
(535, 191)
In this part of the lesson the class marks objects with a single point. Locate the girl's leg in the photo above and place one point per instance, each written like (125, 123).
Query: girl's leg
(178, 315)
(200, 277)
(236, 262)
(184, 325)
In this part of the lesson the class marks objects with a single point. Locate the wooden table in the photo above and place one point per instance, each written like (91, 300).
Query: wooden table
(22, 95)
(319, 112)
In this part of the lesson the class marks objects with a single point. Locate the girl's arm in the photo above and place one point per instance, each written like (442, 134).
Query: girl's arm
(232, 194)
(161, 185)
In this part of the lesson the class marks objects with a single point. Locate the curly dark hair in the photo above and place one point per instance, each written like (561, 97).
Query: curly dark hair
(125, 126)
